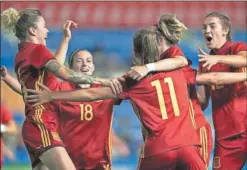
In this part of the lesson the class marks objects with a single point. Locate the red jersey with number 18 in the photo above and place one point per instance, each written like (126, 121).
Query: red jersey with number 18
(86, 130)
(161, 102)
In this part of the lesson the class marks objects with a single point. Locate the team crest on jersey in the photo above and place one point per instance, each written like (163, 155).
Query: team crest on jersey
(216, 163)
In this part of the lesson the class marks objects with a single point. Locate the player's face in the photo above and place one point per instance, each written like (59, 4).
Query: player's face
(83, 62)
(214, 33)
(41, 30)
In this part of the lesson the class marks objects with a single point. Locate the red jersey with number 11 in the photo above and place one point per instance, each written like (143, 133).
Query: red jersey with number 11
(161, 102)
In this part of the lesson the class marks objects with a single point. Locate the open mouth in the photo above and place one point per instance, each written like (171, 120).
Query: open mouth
(84, 70)
(209, 39)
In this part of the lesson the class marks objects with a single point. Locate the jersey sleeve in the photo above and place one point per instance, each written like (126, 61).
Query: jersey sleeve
(190, 75)
(124, 95)
(237, 47)
(6, 115)
(175, 51)
(41, 55)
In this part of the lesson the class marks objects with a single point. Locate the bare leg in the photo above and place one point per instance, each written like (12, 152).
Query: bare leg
(57, 158)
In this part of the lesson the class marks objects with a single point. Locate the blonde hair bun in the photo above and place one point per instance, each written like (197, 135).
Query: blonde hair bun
(9, 18)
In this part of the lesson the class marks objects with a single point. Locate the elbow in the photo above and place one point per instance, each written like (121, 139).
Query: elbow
(184, 62)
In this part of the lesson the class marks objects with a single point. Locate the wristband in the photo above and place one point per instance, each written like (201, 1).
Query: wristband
(3, 128)
(151, 67)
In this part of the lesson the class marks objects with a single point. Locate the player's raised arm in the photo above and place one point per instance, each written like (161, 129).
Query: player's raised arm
(12, 82)
(83, 95)
(63, 48)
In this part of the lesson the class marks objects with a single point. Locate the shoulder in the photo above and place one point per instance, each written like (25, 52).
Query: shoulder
(41, 49)
(238, 46)
(175, 51)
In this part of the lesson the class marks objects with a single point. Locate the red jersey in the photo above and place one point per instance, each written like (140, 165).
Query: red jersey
(197, 116)
(29, 67)
(229, 101)
(86, 130)
(6, 116)
(161, 102)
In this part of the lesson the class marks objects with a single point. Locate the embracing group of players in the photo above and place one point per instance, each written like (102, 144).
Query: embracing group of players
(72, 129)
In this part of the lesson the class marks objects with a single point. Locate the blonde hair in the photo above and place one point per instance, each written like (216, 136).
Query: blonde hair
(146, 43)
(171, 28)
(9, 18)
(15, 23)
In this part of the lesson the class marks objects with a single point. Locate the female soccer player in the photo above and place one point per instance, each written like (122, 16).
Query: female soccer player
(33, 64)
(79, 119)
(173, 58)
(228, 101)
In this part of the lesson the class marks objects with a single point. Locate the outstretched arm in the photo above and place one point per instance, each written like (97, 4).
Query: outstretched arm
(12, 82)
(169, 64)
(213, 78)
(220, 78)
(69, 75)
(83, 95)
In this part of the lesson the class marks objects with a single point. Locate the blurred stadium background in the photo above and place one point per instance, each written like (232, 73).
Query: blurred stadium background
(106, 29)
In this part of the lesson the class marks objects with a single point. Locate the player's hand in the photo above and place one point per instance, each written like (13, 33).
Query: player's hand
(208, 60)
(68, 25)
(3, 72)
(138, 72)
(39, 97)
(116, 85)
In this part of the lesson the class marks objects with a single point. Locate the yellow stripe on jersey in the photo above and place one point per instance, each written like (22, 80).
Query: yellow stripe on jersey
(40, 129)
(192, 114)
(206, 143)
(38, 116)
(201, 149)
(110, 139)
(42, 126)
